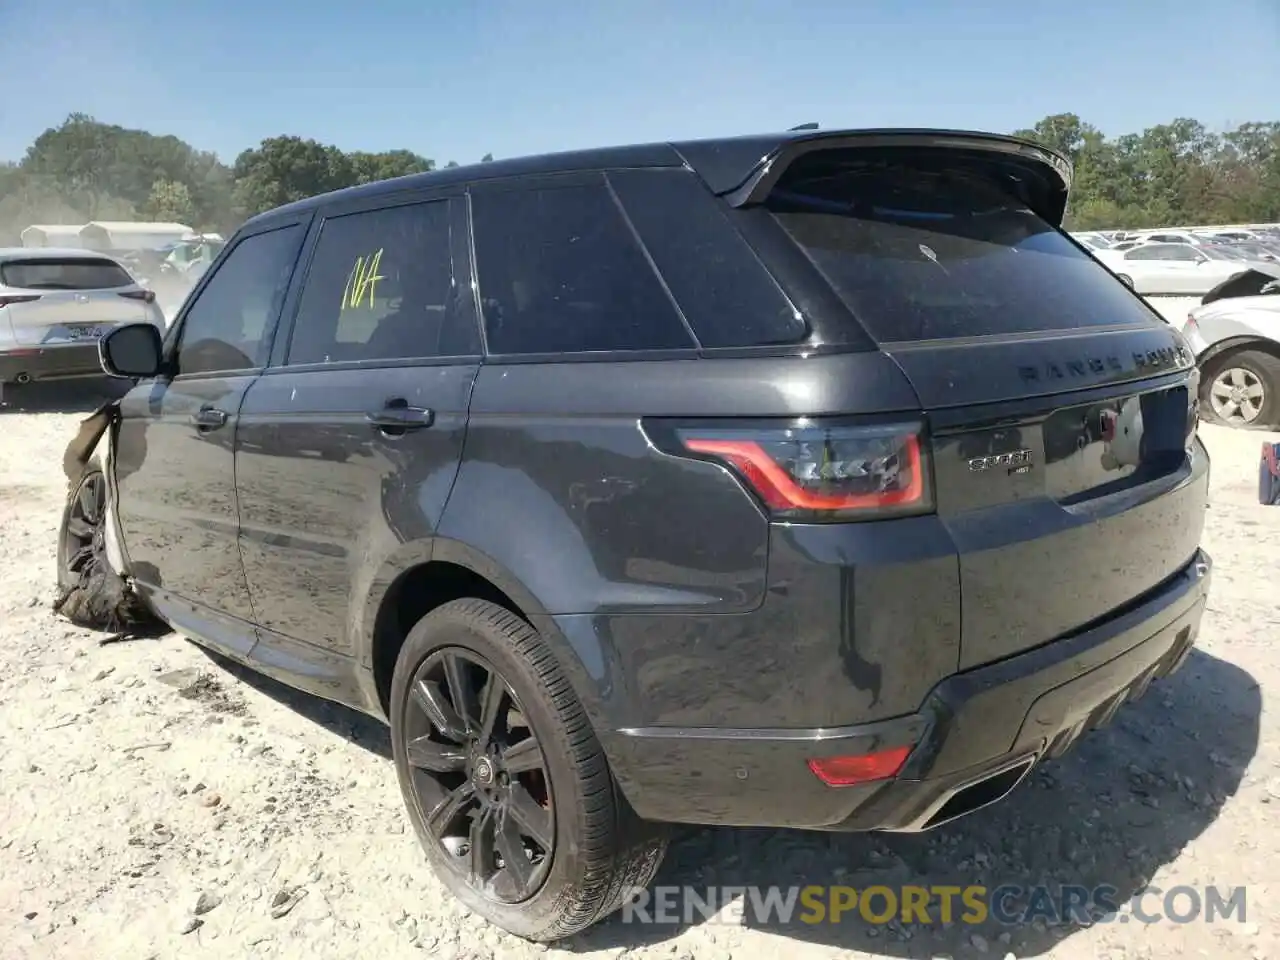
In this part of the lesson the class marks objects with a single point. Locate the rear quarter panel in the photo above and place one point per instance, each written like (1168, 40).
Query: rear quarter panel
(650, 574)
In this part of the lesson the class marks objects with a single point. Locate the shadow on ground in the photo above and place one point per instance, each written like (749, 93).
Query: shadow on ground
(1121, 805)
(1125, 802)
(362, 730)
(61, 396)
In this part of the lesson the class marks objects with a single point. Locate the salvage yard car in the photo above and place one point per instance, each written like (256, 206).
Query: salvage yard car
(1235, 335)
(810, 480)
(56, 304)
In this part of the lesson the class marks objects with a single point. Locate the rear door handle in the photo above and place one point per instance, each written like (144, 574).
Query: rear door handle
(209, 418)
(398, 416)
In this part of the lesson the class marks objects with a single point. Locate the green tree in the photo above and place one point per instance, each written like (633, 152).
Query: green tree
(369, 167)
(170, 202)
(100, 165)
(282, 170)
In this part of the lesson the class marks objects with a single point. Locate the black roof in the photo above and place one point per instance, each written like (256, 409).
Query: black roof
(726, 164)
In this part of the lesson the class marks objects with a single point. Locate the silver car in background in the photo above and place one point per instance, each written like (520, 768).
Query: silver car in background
(1235, 335)
(1174, 269)
(56, 304)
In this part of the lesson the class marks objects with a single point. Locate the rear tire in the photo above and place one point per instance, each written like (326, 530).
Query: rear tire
(1242, 389)
(463, 785)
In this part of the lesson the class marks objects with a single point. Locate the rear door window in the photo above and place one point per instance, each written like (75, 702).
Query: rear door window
(382, 286)
(70, 273)
(929, 255)
(561, 271)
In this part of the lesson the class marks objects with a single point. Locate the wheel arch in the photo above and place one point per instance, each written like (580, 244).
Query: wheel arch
(423, 576)
(1233, 345)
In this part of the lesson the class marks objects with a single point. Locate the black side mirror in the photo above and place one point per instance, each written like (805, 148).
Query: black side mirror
(133, 351)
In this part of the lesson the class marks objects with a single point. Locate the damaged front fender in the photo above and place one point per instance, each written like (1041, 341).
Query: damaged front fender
(88, 440)
(79, 451)
(95, 589)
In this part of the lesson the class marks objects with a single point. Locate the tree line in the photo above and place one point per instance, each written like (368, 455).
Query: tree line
(84, 170)
(1174, 173)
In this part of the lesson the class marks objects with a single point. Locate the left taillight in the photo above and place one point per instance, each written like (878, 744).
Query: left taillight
(813, 470)
(7, 299)
(146, 296)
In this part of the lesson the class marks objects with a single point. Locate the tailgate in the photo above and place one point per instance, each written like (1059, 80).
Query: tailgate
(1064, 508)
(65, 297)
(1061, 407)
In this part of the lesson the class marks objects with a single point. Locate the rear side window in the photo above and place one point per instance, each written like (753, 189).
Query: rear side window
(937, 254)
(381, 286)
(560, 271)
(71, 273)
(725, 293)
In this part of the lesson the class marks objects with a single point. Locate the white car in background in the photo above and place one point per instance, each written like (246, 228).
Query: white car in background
(56, 304)
(1236, 339)
(1172, 269)
(1172, 236)
(1094, 241)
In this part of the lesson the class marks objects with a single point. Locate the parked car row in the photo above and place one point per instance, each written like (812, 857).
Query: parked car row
(1262, 243)
(1178, 269)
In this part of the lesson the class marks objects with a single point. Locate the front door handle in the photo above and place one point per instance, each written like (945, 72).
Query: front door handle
(209, 418)
(397, 416)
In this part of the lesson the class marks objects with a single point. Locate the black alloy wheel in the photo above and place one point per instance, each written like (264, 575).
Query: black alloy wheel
(84, 530)
(479, 775)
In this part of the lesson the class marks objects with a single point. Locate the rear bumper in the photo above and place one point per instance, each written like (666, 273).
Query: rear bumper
(50, 362)
(975, 736)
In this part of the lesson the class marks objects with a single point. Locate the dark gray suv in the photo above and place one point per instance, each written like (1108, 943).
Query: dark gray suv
(811, 480)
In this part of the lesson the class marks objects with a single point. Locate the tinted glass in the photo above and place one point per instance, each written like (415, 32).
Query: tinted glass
(924, 255)
(227, 326)
(560, 271)
(1183, 252)
(723, 289)
(79, 273)
(1154, 251)
(380, 286)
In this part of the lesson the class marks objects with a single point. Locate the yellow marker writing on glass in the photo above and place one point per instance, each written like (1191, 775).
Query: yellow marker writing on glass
(362, 280)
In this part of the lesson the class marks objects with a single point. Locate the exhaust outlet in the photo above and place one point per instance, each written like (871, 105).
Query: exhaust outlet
(22, 378)
(972, 797)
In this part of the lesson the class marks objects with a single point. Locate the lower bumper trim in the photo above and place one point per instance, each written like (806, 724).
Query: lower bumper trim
(976, 737)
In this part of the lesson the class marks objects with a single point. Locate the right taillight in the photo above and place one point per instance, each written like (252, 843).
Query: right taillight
(810, 469)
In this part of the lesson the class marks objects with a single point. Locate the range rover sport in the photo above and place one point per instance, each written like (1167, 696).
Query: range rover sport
(809, 480)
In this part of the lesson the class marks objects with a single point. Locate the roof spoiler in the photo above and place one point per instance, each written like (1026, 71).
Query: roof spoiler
(745, 170)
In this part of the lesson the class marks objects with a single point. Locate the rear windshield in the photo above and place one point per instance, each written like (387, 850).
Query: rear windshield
(928, 255)
(72, 273)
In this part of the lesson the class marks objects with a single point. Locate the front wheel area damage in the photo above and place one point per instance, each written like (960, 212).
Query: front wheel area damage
(94, 590)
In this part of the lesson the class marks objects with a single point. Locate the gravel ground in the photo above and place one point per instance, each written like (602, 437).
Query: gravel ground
(159, 803)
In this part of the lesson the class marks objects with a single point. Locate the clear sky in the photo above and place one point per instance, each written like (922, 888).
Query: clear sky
(455, 80)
